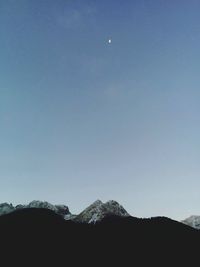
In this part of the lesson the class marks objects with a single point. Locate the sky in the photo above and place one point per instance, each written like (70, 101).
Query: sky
(84, 119)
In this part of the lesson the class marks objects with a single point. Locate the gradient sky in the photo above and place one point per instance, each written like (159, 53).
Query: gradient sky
(82, 119)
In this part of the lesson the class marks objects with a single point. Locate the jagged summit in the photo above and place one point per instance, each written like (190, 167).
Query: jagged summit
(41, 204)
(99, 210)
(59, 209)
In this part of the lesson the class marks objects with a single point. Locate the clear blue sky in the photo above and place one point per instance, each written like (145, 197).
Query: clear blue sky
(82, 119)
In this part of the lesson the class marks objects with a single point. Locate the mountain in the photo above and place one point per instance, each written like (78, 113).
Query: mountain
(99, 210)
(92, 214)
(193, 221)
(59, 209)
(62, 210)
(41, 237)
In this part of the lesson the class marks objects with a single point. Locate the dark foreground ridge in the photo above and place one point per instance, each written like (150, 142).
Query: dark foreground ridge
(42, 237)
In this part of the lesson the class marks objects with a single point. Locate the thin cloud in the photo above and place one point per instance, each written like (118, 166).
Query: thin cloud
(121, 90)
(70, 18)
(73, 17)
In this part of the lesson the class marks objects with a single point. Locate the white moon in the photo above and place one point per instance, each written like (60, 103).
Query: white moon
(109, 41)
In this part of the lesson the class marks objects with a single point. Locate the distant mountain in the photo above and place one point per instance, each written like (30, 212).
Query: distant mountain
(59, 209)
(99, 210)
(193, 221)
(6, 208)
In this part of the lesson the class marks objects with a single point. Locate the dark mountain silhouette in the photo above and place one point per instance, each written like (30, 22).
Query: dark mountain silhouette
(40, 237)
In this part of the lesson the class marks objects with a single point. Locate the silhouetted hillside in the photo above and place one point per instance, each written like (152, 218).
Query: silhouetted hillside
(42, 237)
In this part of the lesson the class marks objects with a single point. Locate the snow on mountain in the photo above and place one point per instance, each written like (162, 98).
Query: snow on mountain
(6, 208)
(193, 221)
(99, 210)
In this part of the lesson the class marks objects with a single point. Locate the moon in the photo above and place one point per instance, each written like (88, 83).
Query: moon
(109, 41)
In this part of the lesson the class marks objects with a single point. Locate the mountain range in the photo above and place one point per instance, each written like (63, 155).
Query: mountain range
(104, 234)
(95, 212)
(92, 214)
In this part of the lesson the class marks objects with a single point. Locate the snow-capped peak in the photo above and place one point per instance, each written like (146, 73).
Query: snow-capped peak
(99, 210)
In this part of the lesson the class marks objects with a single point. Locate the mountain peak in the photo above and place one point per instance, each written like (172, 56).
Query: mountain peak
(96, 203)
(99, 210)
